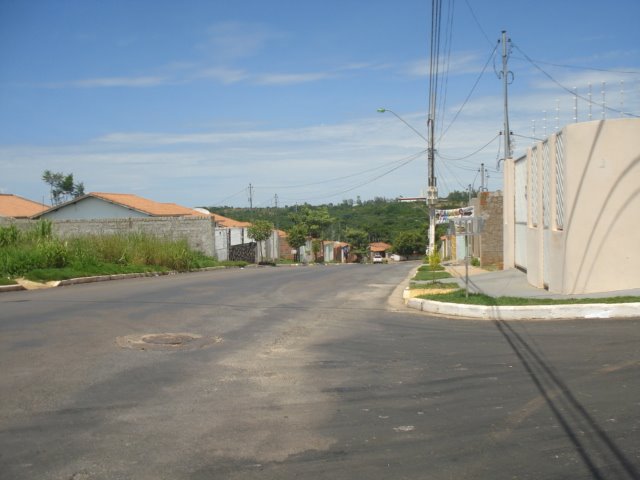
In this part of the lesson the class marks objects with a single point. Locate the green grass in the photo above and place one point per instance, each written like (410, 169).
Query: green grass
(428, 275)
(49, 274)
(39, 256)
(432, 286)
(458, 296)
(428, 268)
(7, 281)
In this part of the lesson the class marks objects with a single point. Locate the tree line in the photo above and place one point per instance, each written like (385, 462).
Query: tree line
(359, 223)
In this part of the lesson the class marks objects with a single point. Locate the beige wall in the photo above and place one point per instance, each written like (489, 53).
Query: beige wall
(583, 232)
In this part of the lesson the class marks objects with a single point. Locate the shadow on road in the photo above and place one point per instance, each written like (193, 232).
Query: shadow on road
(594, 446)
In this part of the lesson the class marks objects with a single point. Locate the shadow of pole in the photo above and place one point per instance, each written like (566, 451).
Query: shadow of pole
(559, 396)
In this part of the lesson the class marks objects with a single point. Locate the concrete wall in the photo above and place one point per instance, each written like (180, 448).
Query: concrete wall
(583, 199)
(197, 231)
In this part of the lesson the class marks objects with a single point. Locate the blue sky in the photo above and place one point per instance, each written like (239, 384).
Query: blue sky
(190, 102)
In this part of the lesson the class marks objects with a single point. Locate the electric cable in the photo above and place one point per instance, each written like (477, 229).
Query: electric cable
(405, 162)
(342, 177)
(579, 67)
(455, 117)
(444, 157)
(477, 22)
(569, 90)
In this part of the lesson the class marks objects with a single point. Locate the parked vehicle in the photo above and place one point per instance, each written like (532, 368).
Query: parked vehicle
(377, 258)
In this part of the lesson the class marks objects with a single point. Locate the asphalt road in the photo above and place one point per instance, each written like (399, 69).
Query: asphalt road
(305, 373)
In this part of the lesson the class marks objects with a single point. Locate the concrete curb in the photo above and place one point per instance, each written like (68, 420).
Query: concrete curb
(11, 288)
(532, 312)
(106, 278)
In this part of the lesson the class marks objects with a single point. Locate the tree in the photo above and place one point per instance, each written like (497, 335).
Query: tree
(260, 230)
(315, 220)
(297, 237)
(409, 242)
(62, 187)
(359, 241)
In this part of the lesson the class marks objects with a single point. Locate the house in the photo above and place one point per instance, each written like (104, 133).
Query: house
(571, 208)
(114, 205)
(379, 247)
(13, 206)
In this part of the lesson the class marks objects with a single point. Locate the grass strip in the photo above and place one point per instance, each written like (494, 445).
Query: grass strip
(66, 273)
(429, 275)
(433, 286)
(458, 296)
(429, 268)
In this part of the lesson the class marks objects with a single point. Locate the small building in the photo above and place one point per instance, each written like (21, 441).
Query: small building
(381, 248)
(13, 206)
(95, 206)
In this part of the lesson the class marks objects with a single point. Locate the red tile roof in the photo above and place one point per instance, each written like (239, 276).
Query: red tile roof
(229, 222)
(379, 247)
(17, 207)
(147, 206)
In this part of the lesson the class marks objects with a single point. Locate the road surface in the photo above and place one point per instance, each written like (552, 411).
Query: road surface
(283, 373)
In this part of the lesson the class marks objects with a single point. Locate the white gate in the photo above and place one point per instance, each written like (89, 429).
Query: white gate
(521, 209)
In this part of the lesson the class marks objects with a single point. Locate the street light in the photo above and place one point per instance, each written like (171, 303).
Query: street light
(432, 190)
(384, 110)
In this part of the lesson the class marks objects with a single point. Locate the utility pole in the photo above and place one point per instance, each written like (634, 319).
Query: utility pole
(482, 177)
(251, 196)
(275, 201)
(505, 84)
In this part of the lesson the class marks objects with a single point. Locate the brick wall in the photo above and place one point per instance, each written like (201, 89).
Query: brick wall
(491, 239)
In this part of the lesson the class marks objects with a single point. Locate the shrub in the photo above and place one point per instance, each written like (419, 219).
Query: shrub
(9, 236)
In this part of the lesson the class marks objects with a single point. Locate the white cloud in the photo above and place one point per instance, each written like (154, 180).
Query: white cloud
(230, 40)
(291, 78)
(223, 75)
(145, 81)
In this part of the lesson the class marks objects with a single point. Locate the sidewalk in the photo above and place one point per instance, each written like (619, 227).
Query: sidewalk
(513, 283)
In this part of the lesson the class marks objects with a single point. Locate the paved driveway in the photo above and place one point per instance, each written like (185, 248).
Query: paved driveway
(277, 373)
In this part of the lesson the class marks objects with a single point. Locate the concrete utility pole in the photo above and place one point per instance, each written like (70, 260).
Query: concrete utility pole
(482, 177)
(432, 190)
(250, 196)
(505, 84)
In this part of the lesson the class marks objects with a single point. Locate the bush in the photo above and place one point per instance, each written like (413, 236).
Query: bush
(88, 255)
(9, 236)
(434, 260)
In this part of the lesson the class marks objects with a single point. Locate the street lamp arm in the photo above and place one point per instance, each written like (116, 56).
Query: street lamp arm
(383, 110)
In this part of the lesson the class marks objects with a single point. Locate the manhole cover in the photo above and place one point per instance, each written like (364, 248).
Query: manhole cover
(176, 339)
(167, 341)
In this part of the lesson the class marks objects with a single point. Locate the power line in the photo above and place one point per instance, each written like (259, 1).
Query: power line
(342, 177)
(548, 75)
(579, 67)
(455, 117)
(407, 161)
(471, 154)
(231, 196)
(478, 23)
